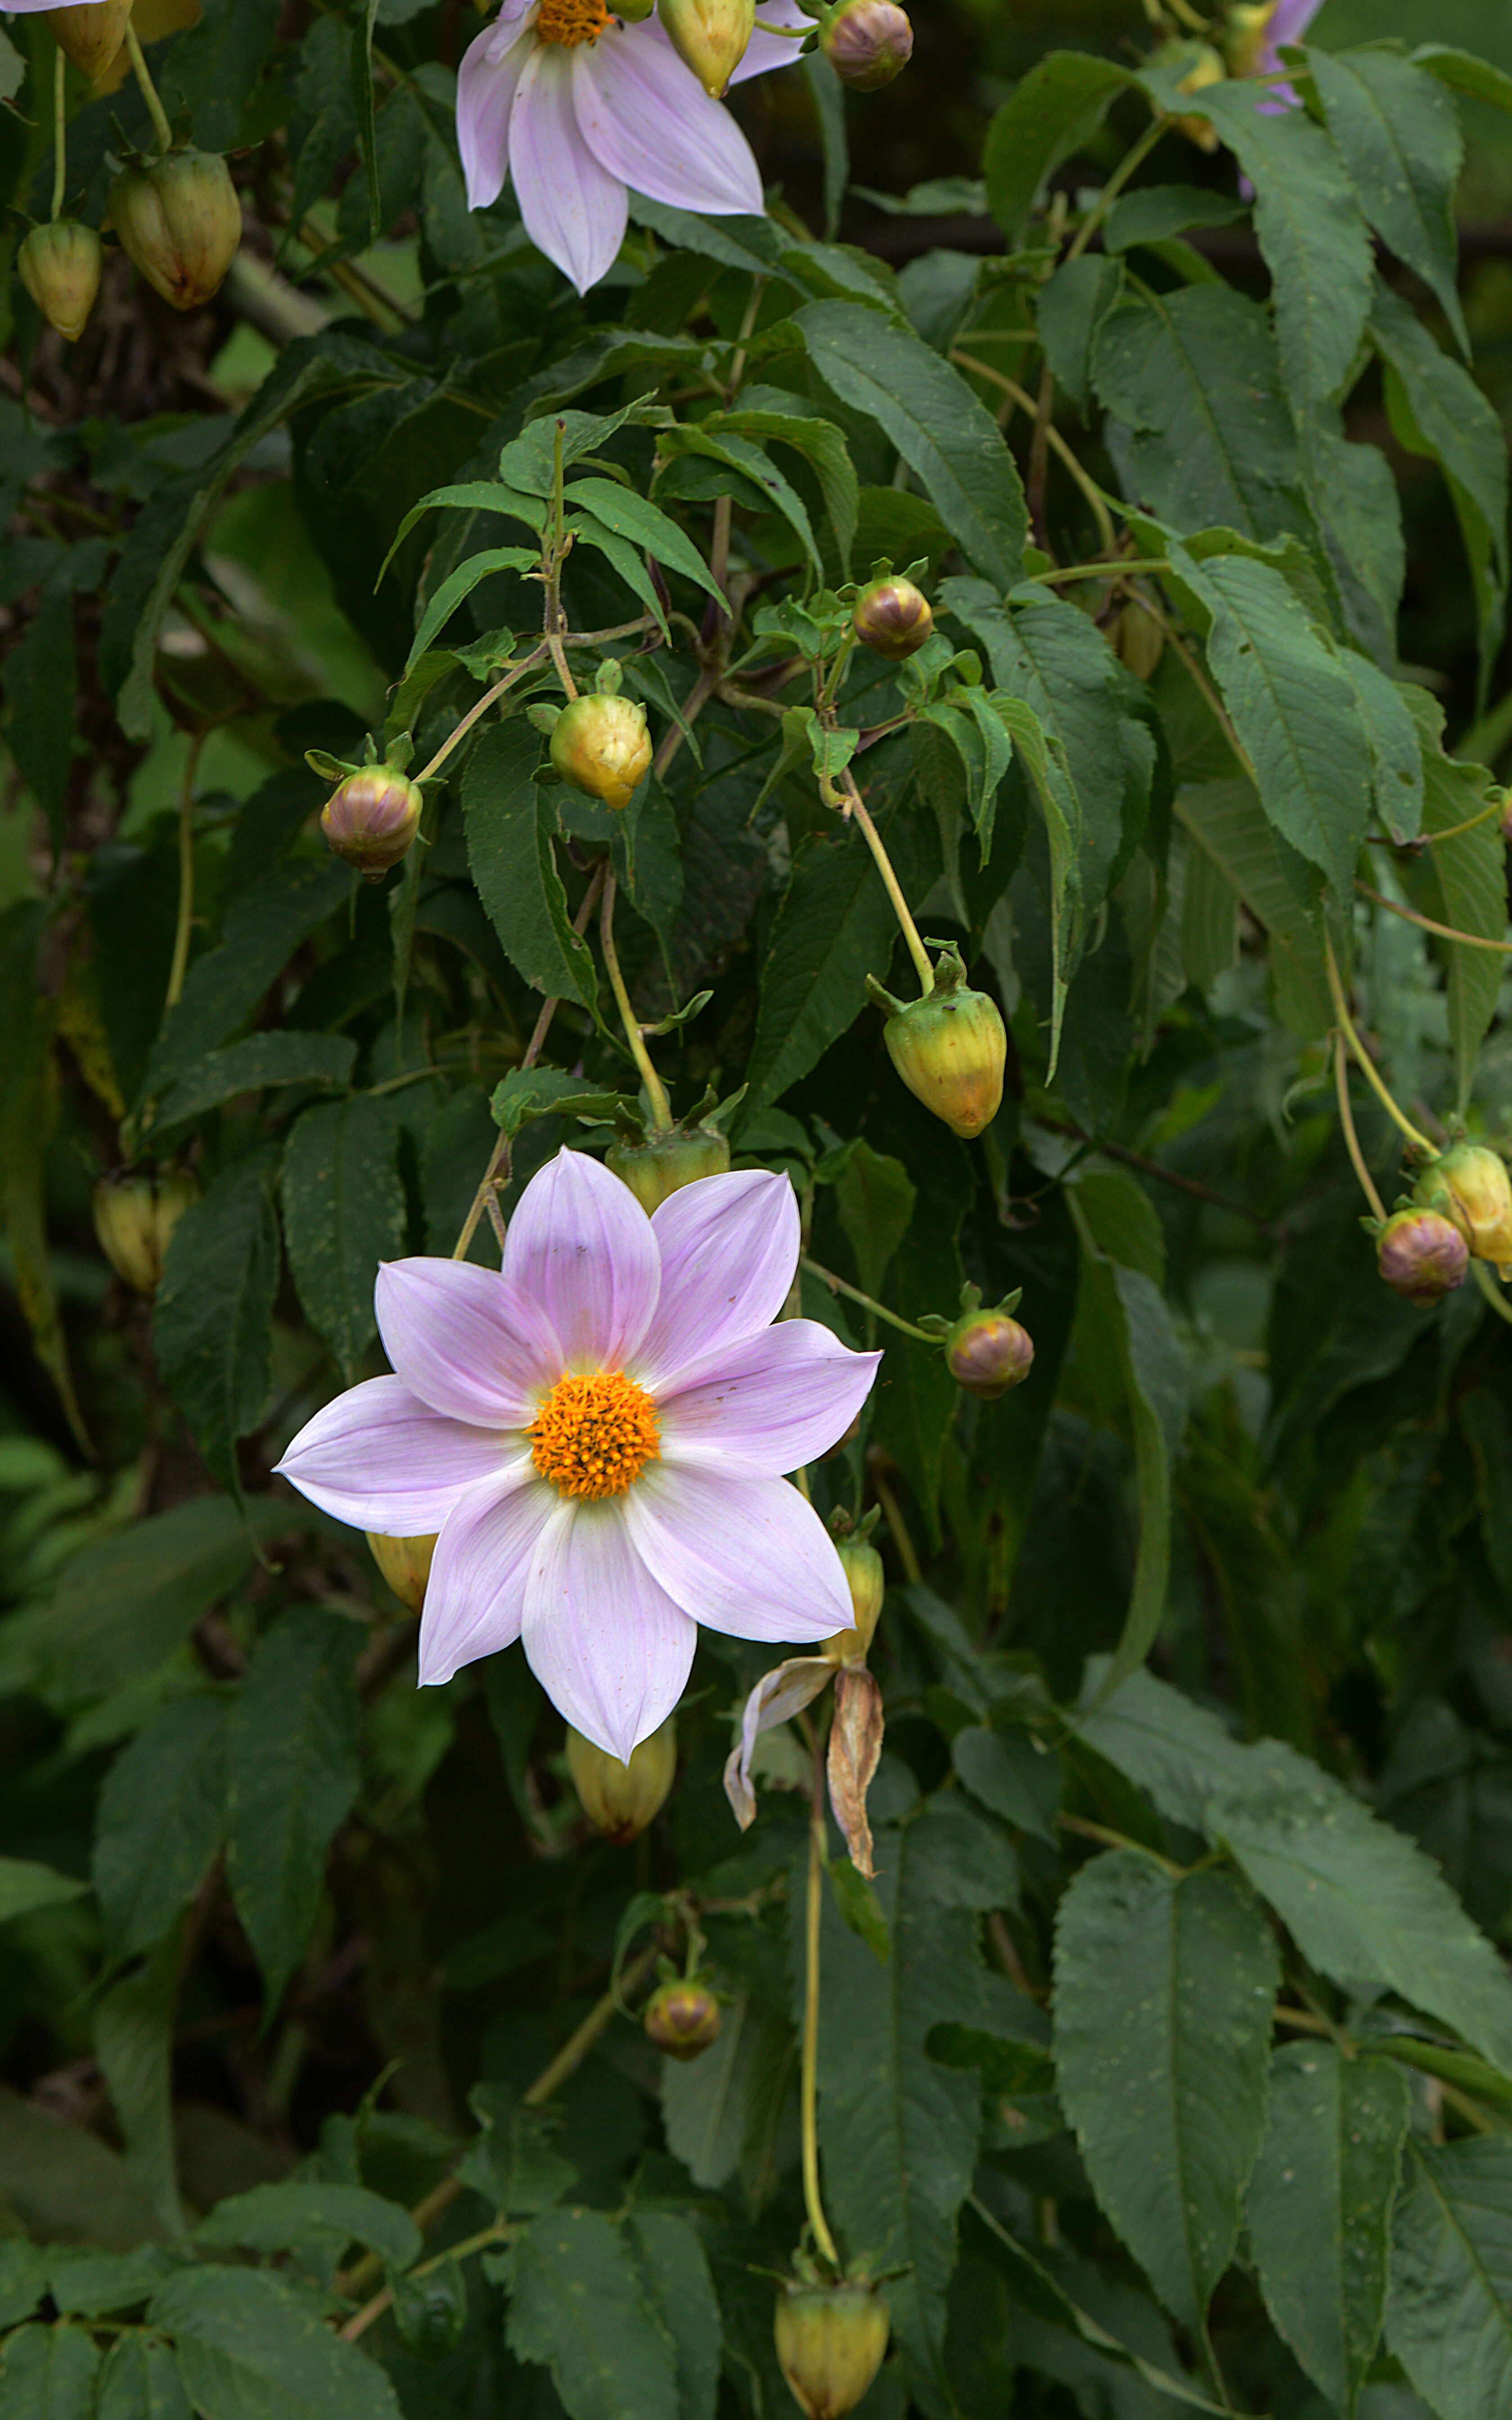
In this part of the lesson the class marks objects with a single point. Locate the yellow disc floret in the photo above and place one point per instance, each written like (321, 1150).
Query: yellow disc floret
(593, 1435)
(571, 22)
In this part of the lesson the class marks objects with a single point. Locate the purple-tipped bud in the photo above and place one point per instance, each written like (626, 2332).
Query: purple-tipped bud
(372, 819)
(987, 1352)
(867, 43)
(892, 617)
(683, 2019)
(1420, 1256)
(1506, 819)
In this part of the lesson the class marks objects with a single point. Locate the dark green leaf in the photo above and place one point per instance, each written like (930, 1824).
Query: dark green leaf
(1318, 2207)
(1463, 885)
(125, 1602)
(40, 679)
(510, 825)
(23, 2279)
(26, 1114)
(134, 2044)
(61, 2181)
(1059, 104)
(212, 69)
(1397, 134)
(48, 2374)
(94, 2283)
(578, 2303)
(292, 1763)
(513, 2164)
(644, 525)
(212, 1319)
(675, 2276)
(262, 1058)
(252, 2346)
(162, 1817)
(139, 2381)
(875, 1201)
(266, 925)
(26, 1884)
(344, 1212)
(278, 2218)
(1225, 822)
(1010, 1775)
(1170, 2102)
(1449, 2320)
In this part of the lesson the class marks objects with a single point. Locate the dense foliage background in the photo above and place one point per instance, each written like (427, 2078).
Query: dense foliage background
(1169, 2070)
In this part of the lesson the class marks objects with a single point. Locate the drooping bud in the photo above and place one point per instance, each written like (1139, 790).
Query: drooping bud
(830, 2341)
(867, 43)
(180, 222)
(1468, 1187)
(987, 1352)
(372, 819)
(90, 36)
(136, 1211)
(1422, 1256)
(602, 746)
(664, 1163)
(893, 618)
(1138, 639)
(709, 36)
(622, 1799)
(59, 267)
(867, 1581)
(951, 1047)
(683, 2019)
(405, 1563)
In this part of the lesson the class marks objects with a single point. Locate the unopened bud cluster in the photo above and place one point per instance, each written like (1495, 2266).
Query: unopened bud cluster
(1468, 1186)
(709, 36)
(89, 36)
(60, 265)
(1422, 1256)
(601, 745)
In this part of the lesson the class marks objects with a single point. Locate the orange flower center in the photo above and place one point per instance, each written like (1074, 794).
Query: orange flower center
(593, 1435)
(571, 22)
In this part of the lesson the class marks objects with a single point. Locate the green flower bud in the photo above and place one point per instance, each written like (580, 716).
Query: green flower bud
(59, 267)
(866, 1580)
(180, 222)
(683, 2019)
(1422, 1256)
(830, 2341)
(136, 1211)
(405, 1563)
(622, 1799)
(1244, 34)
(602, 746)
(1137, 640)
(867, 43)
(91, 36)
(709, 36)
(372, 818)
(987, 1352)
(1468, 1187)
(951, 1047)
(664, 1163)
(892, 617)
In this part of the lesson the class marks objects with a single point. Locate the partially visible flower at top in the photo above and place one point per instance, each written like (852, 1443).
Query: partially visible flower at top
(577, 108)
(598, 1432)
(1256, 30)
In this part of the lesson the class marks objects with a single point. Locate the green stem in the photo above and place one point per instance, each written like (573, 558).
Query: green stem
(1425, 923)
(1366, 1065)
(1352, 1141)
(517, 672)
(179, 967)
(1052, 438)
(809, 2093)
(60, 119)
(661, 1115)
(1490, 1288)
(1116, 183)
(897, 1527)
(149, 89)
(854, 1293)
(1093, 571)
(855, 808)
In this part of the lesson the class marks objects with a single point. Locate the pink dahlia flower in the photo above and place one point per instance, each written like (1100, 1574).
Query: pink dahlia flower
(599, 1432)
(577, 108)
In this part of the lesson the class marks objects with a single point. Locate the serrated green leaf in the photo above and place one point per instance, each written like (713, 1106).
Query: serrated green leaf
(674, 2274)
(1151, 213)
(24, 2278)
(1397, 134)
(266, 925)
(139, 2381)
(253, 2346)
(91, 2284)
(1391, 736)
(509, 826)
(946, 438)
(750, 463)
(459, 584)
(263, 1059)
(292, 1774)
(1464, 72)
(213, 1320)
(513, 2164)
(821, 444)
(1449, 2320)
(48, 2374)
(162, 1817)
(1058, 104)
(1364, 1905)
(61, 2181)
(1462, 882)
(280, 2218)
(1070, 308)
(344, 1212)
(1005, 1770)
(1318, 2207)
(644, 525)
(875, 1200)
(125, 1602)
(1170, 2103)
(28, 1110)
(1227, 825)
(565, 2266)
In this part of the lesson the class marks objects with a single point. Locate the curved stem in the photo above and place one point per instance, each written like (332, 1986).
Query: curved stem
(854, 1293)
(1446, 932)
(856, 809)
(898, 1527)
(179, 967)
(1436, 840)
(60, 150)
(661, 1115)
(1492, 1291)
(808, 2096)
(517, 672)
(1366, 1065)
(1116, 183)
(149, 89)
(1352, 1141)
(1053, 439)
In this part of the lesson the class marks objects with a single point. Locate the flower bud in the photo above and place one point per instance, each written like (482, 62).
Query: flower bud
(867, 43)
(59, 267)
(987, 1352)
(1244, 42)
(601, 745)
(136, 1211)
(1420, 1256)
(90, 36)
(951, 1048)
(179, 223)
(683, 2019)
(622, 1798)
(866, 1580)
(372, 818)
(664, 1163)
(405, 1563)
(830, 2341)
(1138, 640)
(709, 36)
(892, 617)
(1468, 1187)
